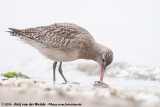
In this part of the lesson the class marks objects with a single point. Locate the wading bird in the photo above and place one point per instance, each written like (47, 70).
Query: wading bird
(64, 42)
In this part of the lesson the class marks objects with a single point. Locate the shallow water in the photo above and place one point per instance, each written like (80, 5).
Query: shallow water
(120, 75)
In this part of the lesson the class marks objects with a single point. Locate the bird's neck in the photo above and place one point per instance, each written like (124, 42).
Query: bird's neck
(91, 51)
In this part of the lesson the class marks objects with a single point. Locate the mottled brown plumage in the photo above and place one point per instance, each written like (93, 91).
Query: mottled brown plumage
(65, 42)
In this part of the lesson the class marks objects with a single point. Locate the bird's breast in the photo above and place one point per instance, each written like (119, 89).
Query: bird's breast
(60, 55)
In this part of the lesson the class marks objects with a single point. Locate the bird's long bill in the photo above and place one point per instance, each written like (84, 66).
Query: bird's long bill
(102, 73)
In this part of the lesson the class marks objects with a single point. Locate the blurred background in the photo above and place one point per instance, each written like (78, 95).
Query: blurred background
(131, 28)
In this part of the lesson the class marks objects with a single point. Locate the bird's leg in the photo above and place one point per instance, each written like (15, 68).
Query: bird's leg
(61, 72)
(54, 70)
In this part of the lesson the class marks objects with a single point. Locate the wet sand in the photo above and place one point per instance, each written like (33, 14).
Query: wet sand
(38, 93)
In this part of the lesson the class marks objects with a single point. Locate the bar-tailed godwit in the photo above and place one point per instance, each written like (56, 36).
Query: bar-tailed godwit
(64, 42)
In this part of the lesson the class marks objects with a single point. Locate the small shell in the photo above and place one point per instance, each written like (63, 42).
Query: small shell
(101, 84)
(8, 83)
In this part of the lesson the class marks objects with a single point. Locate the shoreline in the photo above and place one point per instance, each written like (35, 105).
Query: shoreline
(19, 91)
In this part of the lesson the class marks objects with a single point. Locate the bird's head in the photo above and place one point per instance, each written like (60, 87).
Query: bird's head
(104, 59)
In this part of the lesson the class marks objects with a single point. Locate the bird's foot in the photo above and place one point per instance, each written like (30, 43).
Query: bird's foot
(65, 82)
(75, 83)
(71, 83)
(101, 84)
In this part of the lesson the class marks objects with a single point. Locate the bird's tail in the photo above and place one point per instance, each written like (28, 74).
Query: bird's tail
(14, 32)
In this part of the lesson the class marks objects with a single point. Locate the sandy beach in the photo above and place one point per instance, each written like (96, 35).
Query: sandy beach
(121, 92)
(124, 86)
(14, 92)
(130, 28)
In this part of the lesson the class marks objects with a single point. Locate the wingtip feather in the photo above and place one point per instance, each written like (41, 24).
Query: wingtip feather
(13, 30)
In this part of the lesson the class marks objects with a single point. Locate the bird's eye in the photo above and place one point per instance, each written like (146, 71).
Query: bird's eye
(103, 60)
